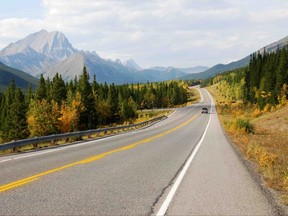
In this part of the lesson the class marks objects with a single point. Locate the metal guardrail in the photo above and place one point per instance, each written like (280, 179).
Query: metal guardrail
(54, 137)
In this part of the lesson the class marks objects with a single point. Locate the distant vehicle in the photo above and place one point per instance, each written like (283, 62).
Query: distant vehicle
(205, 110)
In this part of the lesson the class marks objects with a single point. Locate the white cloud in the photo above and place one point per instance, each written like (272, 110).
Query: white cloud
(156, 32)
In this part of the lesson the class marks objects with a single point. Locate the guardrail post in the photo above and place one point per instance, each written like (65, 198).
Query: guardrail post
(53, 140)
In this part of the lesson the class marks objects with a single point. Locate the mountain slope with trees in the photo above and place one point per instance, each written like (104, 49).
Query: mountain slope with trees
(221, 68)
(21, 79)
(263, 83)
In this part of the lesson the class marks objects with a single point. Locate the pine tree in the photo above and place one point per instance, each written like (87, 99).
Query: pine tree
(41, 92)
(16, 117)
(88, 115)
(13, 115)
(58, 89)
(113, 102)
(281, 71)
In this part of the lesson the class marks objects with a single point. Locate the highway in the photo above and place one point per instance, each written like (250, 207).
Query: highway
(133, 173)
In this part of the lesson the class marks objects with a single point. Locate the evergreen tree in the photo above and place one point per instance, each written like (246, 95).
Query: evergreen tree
(13, 115)
(113, 102)
(41, 92)
(88, 115)
(16, 117)
(58, 89)
(281, 71)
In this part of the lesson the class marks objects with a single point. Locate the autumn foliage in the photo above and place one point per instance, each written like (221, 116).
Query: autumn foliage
(80, 104)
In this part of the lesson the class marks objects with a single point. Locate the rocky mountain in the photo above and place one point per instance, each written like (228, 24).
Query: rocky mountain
(105, 70)
(132, 65)
(220, 68)
(22, 79)
(217, 69)
(154, 75)
(37, 52)
(197, 69)
(48, 53)
(274, 46)
(185, 71)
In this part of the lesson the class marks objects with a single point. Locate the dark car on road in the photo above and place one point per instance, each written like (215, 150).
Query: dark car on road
(205, 110)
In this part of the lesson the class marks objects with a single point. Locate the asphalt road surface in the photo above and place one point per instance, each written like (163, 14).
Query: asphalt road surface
(134, 173)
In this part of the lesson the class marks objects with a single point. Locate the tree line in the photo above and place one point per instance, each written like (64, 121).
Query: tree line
(263, 82)
(60, 107)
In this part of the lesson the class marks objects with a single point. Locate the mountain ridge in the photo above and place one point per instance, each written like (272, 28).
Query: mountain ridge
(22, 79)
(37, 52)
(221, 68)
(50, 53)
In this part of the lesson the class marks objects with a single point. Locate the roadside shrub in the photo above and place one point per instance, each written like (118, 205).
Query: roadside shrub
(264, 159)
(245, 124)
(267, 108)
(256, 113)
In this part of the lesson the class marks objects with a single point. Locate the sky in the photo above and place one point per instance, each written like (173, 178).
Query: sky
(179, 33)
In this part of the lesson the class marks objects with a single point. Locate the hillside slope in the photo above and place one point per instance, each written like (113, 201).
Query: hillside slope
(22, 79)
(220, 68)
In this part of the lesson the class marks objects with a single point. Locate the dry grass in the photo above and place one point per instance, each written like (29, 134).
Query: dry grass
(193, 96)
(146, 115)
(267, 147)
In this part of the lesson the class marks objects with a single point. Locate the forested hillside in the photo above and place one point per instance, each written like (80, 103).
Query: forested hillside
(21, 79)
(264, 82)
(57, 106)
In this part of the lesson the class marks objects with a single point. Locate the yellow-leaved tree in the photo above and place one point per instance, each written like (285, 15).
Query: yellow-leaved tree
(70, 114)
(42, 117)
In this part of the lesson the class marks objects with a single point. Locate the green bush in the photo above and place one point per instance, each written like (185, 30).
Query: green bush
(245, 124)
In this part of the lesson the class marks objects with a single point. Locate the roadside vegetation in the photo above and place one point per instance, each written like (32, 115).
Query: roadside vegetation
(59, 107)
(252, 106)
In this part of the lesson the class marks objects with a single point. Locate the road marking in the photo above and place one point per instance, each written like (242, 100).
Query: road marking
(91, 159)
(163, 209)
(85, 143)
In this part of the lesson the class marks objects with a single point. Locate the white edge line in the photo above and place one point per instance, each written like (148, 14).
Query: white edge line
(72, 146)
(174, 188)
(47, 151)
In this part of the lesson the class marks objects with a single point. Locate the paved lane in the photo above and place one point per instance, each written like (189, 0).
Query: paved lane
(132, 173)
(217, 183)
(124, 174)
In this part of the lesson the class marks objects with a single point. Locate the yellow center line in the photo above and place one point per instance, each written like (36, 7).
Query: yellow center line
(89, 160)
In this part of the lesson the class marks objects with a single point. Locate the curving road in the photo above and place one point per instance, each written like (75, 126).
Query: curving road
(134, 173)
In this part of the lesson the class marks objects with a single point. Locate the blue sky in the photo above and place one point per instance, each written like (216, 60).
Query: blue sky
(20, 8)
(181, 33)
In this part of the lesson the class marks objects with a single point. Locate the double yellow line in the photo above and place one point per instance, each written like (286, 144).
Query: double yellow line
(89, 160)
